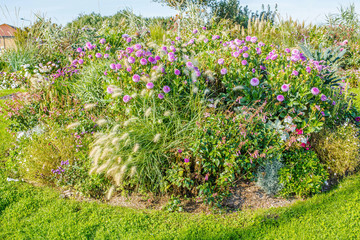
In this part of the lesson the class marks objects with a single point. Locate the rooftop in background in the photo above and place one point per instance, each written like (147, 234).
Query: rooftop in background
(7, 30)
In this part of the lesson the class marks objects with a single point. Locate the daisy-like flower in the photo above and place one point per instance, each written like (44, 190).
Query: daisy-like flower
(126, 98)
(254, 82)
(315, 91)
(149, 85)
(136, 78)
(280, 98)
(285, 87)
(166, 89)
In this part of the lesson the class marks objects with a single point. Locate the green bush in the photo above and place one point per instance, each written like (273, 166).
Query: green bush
(338, 149)
(268, 176)
(303, 174)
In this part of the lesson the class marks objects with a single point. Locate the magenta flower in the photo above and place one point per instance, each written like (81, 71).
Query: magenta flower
(106, 55)
(157, 58)
(179, 151)
(152, 60)
(280, 98)
(248, 38)
(295, 52)
(253, 39)
(102, 41)
(131, 60)
(177, 72)
(315, 91)
(244, 62)
(195, 31)
(186, 160)
(223, 71)
(110, 90)
(143, 61)
(308, 69)
(254, 82)
(287, 50)
(79, 50)
(129, 69)
(189, 64)
(285, 87)
(136, 78)
(126, 98)
(149, 85)
(357, 119)
(80, 61)
(128, 40)
(137, 46)
(204, 28)
(160, 95)
(295, 73)
(118, 66)
(221, 61)
(236, 54)
(245, 55)
(166, 89)
(323, 98)
(112, 66)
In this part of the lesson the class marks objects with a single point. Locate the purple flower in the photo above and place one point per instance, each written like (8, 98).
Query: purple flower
(79, 50)
(357, 119)
(118, 66)
(128, 40)
(80, 61)
(152, 60)
(323, 98)
(126, 98)
(334, 103)
(166, 89)
(110, 90)
(137, 46)
(179, 151)
(186, 160)
(129, 69)
(308, 69)
(149, 85)
(223, 71)
(254, 82)
(129, 50)
(295, 73)
(136, 78)
(236, 54)
(244, 62)
(131, 60)
(248, 38)
(253, 39)
(245, 55)
(160, 95)
(315, 91)
(285, 87)
(106, 55)
(157, 58)
(112, 66)
(204, 28)
(195, 31)
(102, 41)
(189, 64)
(178, 38)
(287, 50)
(177, 72)
(280, 98)
(143, 61)
(221, 61)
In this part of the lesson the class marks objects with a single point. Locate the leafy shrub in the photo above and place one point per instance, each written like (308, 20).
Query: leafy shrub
(302, 174)
(229, 147)
(268, 176)
(338, 148)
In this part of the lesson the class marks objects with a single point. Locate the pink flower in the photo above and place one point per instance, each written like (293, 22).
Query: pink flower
(126, 98)
(149, 85)
(110, 90)
(186, 160)
(323, 98)
(80, 61)
(118, 66)
(245, 55)
(221, 61)
(280, 98)
(244, 62)
(160, 95)
(299, 131)
(254, 82)
(223, 71)
(285, 87)
(143, 61)
(315, 91)
(112, 66)
(177, 72)
(131, 60)
(102, 41)
(136, 78)
(166, 89)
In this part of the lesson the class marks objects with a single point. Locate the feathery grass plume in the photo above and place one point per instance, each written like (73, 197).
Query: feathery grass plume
(92, 170)
(124, 136)
(112, 170)
(186, 71)
(115, 95)
(100, 141)
(152, 45)
(148, 112)
(202, 38)
(115, 141)
(103, 167)
(127, 142)
(167, 113)
(119, 160)
(238, 88)
(110, 193)
(101, 122)
(133, 171)
(117, 178)
(156, 137)
(195, 90)
(210, 75)
(134, 95)
(136, 148)
(193, 77)
(143, 92)
(184, 50)
(97, 157)
(127, 122)
(73, 125)
(116, 128)
(94, 151)
(90, 106)
(105, 153)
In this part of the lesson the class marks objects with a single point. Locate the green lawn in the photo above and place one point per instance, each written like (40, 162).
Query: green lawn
(4, 92)
(28, 212)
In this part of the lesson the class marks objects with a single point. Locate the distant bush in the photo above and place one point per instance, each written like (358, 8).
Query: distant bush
(339, 148)
(303, 174)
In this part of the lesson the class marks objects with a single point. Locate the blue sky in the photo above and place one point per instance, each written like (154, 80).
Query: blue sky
(63, 11)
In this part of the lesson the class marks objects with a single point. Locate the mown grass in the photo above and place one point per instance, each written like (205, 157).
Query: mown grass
(357, 97)
(28, 212)
(5, 92)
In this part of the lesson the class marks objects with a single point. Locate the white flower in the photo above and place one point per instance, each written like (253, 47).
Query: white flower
(288, 119)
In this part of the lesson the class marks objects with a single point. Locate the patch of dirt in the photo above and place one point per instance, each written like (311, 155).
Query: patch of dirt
(250, 196)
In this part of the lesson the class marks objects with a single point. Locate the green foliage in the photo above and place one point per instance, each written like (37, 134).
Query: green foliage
(338, 149)
(268, 176)
(303, 174)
